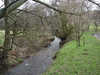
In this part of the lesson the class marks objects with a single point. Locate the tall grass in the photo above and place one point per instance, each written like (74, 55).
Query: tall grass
(84, 60)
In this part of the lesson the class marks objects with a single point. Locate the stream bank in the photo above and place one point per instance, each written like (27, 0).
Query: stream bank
(38, 63)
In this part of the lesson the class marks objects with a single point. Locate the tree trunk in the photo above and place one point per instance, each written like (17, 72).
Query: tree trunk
(11, 7)
(7, 41)
(96, 27)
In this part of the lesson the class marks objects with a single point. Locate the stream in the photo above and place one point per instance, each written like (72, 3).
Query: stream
(97, 35)
(37, 64)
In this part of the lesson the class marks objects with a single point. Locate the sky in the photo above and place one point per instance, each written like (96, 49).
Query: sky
(1, 3)
(95, 6)
(47, 1)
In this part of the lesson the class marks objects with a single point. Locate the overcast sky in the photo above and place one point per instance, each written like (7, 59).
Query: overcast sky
(95, 6)
(47, 1)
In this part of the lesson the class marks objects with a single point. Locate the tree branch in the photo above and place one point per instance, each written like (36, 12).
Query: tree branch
(14, 5)
(11, 7)
(55, 9)
(20, 10)
(94, 3)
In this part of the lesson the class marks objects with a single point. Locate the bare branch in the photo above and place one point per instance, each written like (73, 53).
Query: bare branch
(20, 10)
(94, 2)
(55, 9)
(11, 7)
(14, 5)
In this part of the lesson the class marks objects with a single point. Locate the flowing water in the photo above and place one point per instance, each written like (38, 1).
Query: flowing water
(97, 35)
(38, 63)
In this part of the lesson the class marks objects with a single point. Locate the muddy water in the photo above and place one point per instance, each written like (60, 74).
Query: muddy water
(37, 64)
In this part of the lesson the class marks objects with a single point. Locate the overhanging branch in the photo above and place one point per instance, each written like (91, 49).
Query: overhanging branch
(11, 7)
(14, 5)
(55, 9)
(20, 10)
(94, 3)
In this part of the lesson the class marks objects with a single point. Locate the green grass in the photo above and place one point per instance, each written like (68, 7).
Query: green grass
(1, 37)
(72, 60)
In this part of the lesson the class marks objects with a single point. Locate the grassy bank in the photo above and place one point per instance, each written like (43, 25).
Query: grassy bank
(78, 61)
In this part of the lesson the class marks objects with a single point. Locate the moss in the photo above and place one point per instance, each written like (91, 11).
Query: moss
(1, 37)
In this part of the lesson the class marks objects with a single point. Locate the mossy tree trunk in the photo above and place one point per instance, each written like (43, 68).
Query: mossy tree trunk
(7, 41)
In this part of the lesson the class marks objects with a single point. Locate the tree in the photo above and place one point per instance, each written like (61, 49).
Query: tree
(16, 3)
(96, 19)
(65, 24)
(3, 62)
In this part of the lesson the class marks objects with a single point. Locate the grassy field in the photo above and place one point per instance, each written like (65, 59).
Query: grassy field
(1, 37)
(78, 61)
